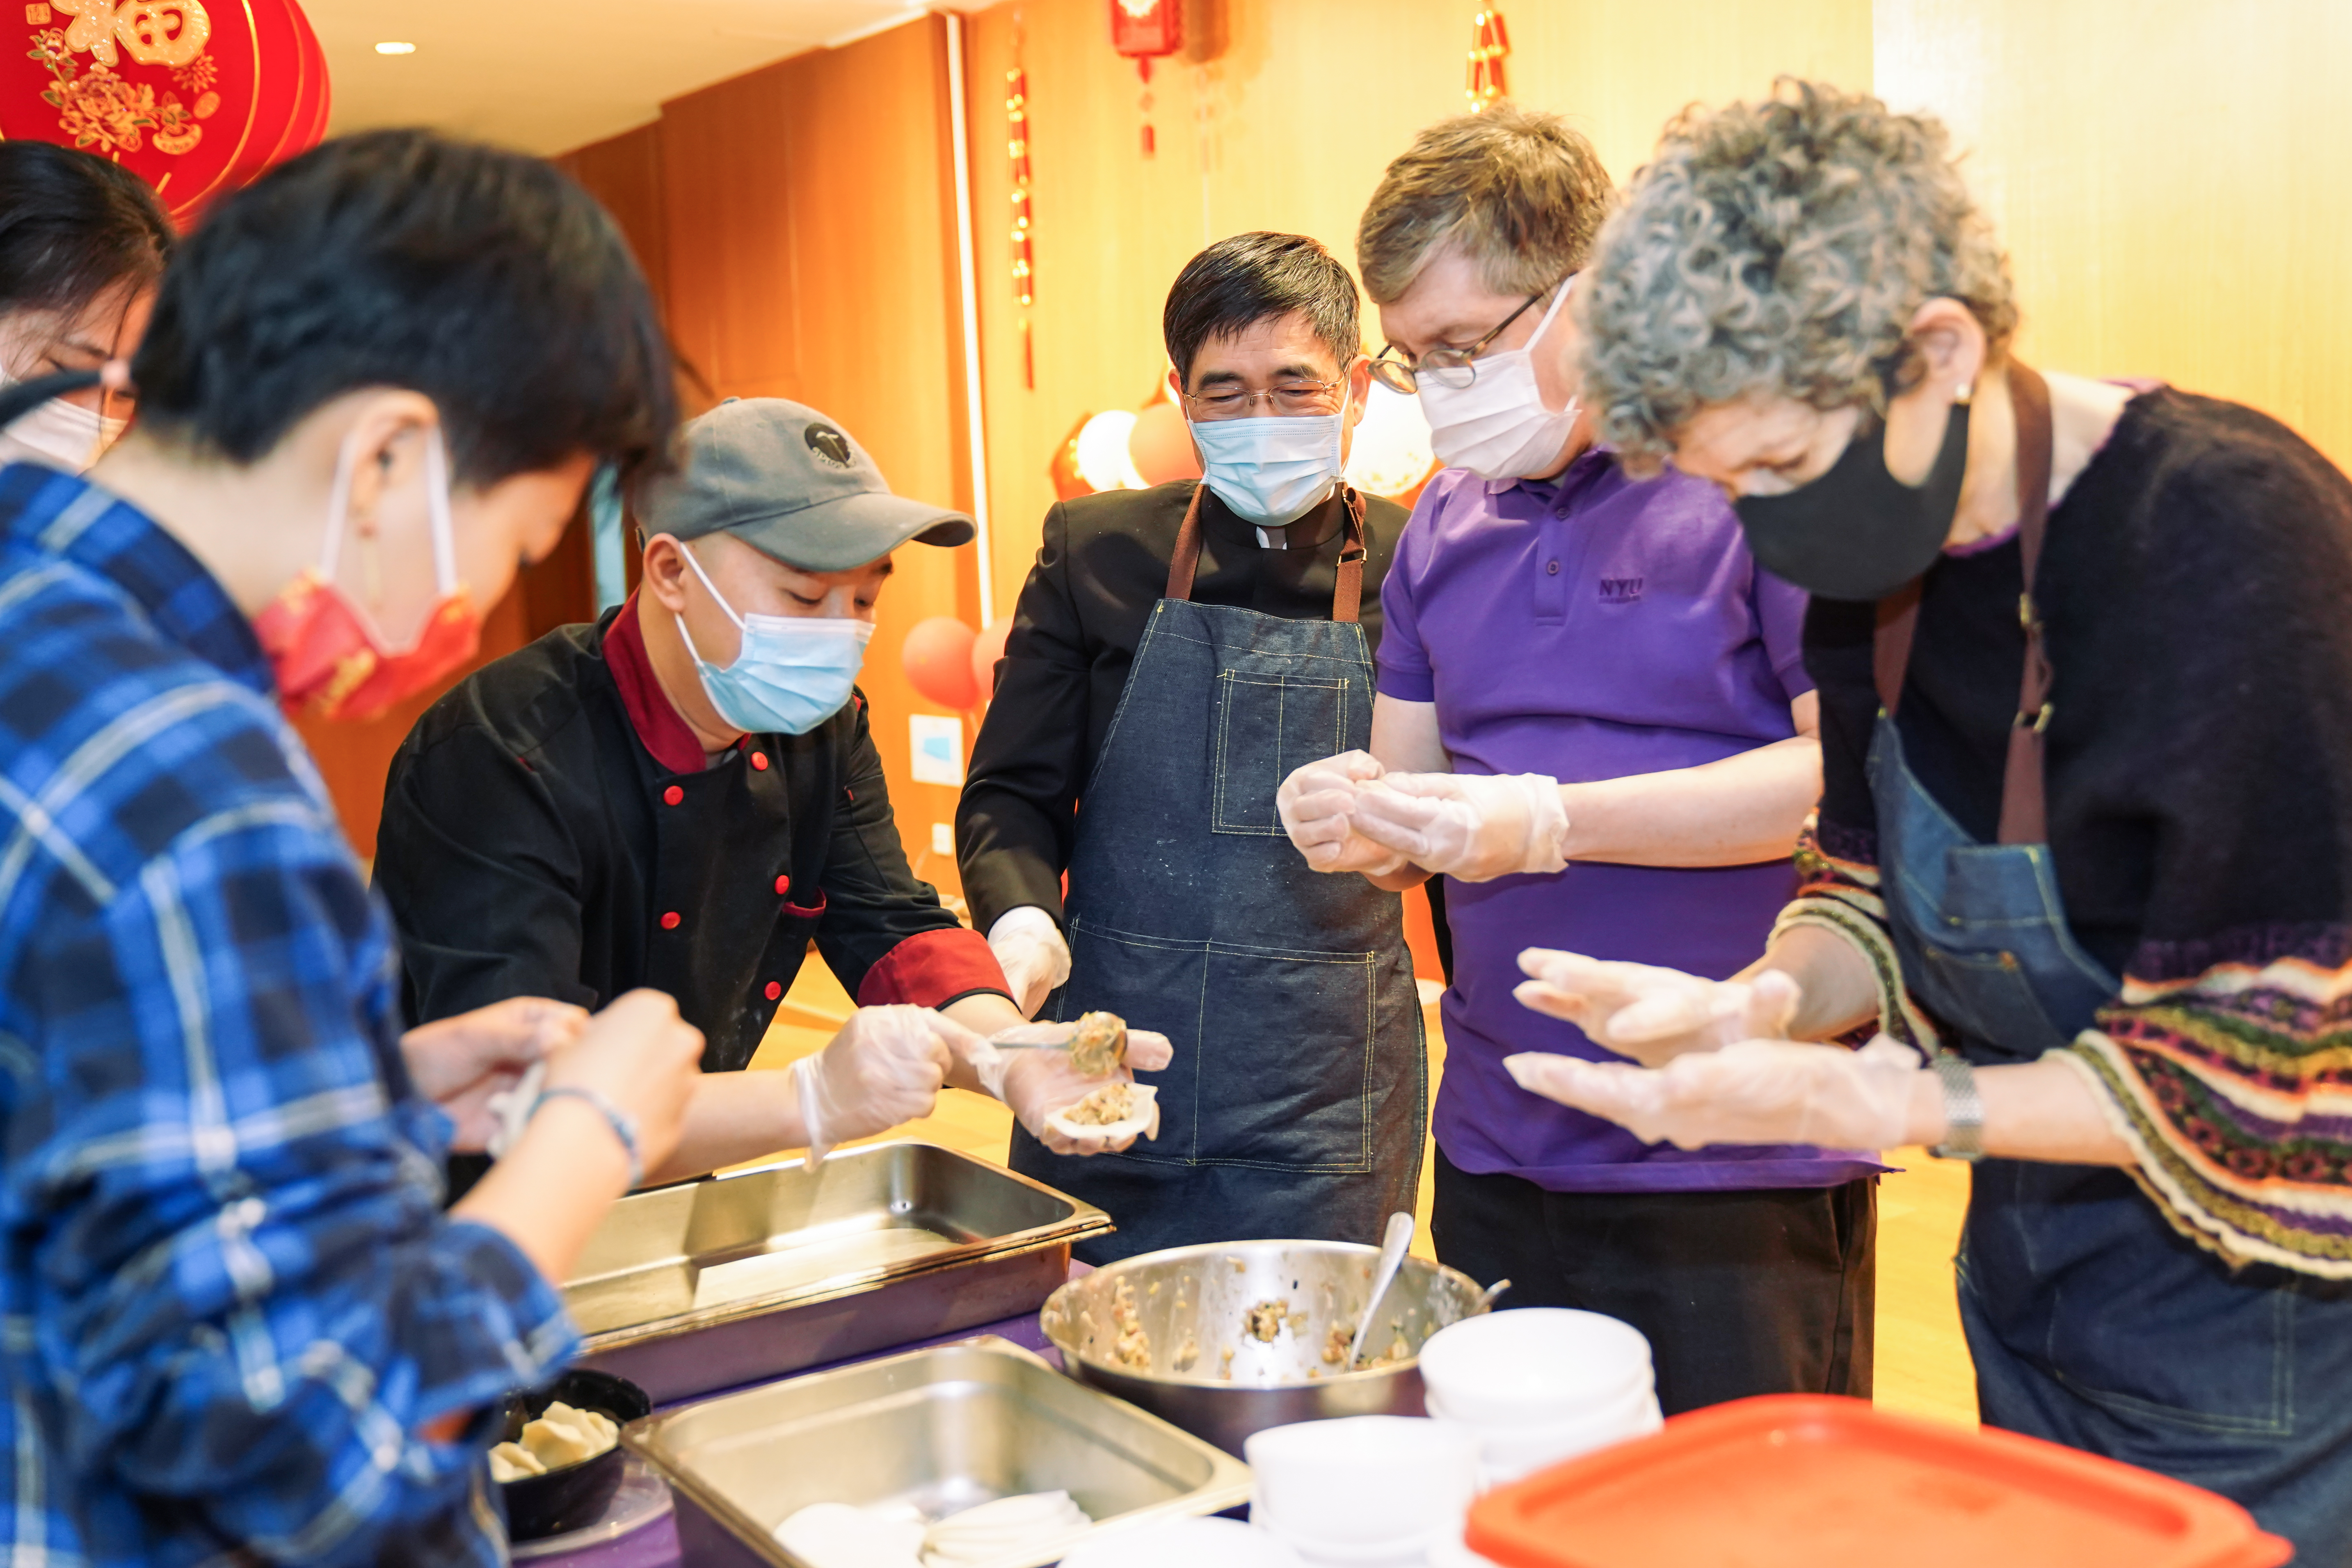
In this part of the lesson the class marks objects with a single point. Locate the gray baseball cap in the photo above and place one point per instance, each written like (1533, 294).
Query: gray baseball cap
(785, 478)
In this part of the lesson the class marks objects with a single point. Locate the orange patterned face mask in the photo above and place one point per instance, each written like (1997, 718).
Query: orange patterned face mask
(329, 656)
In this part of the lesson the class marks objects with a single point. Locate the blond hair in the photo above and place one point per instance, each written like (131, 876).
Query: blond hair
(1518, 192)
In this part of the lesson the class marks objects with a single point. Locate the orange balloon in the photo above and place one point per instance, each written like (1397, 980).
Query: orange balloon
(937, 659)
(986, 649)
(1161, 446)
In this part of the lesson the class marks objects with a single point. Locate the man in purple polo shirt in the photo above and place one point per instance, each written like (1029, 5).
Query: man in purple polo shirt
(1593, 719)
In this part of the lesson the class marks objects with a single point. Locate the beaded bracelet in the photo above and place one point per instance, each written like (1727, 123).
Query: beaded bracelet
(624, 1128)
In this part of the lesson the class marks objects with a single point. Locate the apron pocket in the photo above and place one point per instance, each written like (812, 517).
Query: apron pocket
(1266, 726)
(1989, 996)
(2072, 1266)
(1273, 1047)
(1286, 1059)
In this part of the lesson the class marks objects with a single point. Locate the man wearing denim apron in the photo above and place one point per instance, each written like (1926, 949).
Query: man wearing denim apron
(2083, 834)
(1176, 651)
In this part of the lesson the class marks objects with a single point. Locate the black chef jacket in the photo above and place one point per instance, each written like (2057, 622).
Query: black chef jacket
(549, 829)
(1103, 566)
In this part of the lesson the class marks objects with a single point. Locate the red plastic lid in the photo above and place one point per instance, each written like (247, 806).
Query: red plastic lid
(1812, 1481)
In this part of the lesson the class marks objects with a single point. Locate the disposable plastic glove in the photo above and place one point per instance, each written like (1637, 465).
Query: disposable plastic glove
(1475, 827)
(1655, 1015)
(1035, 1084)
(1316, 804)
(1029, 948)
(1757, 1091)
(885, 1067)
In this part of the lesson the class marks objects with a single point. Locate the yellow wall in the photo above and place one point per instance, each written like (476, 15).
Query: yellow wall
(1288, 127)
(2173, 179)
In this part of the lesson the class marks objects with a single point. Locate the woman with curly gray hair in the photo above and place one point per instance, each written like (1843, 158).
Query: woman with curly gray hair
(2086, 710)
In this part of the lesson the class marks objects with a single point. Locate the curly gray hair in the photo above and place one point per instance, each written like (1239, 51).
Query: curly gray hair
(1780, 248)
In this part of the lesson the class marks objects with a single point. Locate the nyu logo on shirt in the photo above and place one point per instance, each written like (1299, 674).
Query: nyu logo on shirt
(1619, 590)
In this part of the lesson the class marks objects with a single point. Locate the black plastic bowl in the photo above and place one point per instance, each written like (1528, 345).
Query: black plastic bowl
(573, 1495)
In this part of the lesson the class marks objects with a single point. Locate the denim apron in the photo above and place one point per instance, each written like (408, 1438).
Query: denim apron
(1295, 1106)
(2092, 1321)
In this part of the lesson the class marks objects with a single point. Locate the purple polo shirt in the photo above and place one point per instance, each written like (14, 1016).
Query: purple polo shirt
(1592, 628)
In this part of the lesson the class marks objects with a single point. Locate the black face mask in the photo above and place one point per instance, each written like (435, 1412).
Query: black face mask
(1857, 532)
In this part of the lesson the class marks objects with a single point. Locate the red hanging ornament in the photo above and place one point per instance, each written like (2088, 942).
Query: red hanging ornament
(195, 97)
(1143, 30)
(1490, 41)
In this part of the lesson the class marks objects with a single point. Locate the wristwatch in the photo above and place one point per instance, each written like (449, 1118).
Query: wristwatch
(1963, 1109)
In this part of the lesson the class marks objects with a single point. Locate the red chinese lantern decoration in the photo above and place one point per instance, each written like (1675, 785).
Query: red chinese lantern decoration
(1490, 41)
(196, 97)
(1143, 30)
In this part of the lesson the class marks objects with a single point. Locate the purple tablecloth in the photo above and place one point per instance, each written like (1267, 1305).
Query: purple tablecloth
(655, 1546)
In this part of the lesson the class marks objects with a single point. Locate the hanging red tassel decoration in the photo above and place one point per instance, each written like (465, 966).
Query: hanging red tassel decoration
(1490, 41)
(1016, 145)
(1142, 29)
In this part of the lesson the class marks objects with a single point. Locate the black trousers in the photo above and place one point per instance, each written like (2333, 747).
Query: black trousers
(1740, 1293)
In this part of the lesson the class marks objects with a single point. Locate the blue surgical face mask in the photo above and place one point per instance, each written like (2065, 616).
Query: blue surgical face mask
(793, 673)
(1271, 470)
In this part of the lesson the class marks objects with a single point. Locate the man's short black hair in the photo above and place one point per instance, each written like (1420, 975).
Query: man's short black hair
(74, 225)
(1236, 283)
(485, 280)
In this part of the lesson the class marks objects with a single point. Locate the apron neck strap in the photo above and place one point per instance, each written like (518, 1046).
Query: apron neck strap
(2023, 815)
(1346, 598)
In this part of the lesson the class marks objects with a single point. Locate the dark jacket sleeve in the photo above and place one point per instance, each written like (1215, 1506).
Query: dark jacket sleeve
(483, 877)
(1018, 814)
(884, 934)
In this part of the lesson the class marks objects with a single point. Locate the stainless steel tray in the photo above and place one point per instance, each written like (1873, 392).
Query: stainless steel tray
(731, 1280)
(943, 1429)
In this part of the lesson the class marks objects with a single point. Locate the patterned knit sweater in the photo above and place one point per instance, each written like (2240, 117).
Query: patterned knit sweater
(2197, 587)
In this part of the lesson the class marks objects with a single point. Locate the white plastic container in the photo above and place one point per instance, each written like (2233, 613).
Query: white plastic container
(1535, 1366)
(1509, 1453)
(1363, 1490)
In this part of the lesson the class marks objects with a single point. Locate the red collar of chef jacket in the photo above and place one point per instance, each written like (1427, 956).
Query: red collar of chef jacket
(660, 729)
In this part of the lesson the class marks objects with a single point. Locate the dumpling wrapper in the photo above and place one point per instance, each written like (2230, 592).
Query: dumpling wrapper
(1143, 1121)
(562, 1437)
(514, 1462)
(1029, 1524)
(835, 1535)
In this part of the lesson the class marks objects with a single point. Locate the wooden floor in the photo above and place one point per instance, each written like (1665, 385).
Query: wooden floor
(1923, 1363)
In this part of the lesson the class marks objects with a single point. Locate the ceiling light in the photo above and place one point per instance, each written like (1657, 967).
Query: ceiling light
(389, 48)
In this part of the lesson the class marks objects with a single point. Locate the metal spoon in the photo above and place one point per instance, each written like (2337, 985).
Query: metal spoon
(1392, 1246)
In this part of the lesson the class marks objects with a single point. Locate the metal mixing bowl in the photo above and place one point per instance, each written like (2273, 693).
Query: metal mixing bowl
(1198, 1299)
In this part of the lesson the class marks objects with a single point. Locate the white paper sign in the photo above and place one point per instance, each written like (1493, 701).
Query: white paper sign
(936, 743)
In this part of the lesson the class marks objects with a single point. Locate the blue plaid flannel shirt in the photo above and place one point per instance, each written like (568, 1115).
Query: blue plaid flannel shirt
(231, 1301)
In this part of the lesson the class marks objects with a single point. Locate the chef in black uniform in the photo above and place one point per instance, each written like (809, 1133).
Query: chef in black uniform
(1175, 652)
(685, 794)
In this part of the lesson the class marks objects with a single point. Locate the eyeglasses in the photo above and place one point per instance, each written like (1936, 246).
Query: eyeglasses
(1299, 397)
(1446, 367)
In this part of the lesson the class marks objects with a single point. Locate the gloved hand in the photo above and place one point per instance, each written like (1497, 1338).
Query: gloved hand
(885, 1067)
(1318, 802)
(1475, 827)
(1655, 1015)
(1035, 1084)
(1757, 1091)
(1029, 948)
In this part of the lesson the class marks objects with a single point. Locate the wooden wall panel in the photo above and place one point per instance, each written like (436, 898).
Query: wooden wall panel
(1288, 127)
(812, 255)
(2172, 179)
